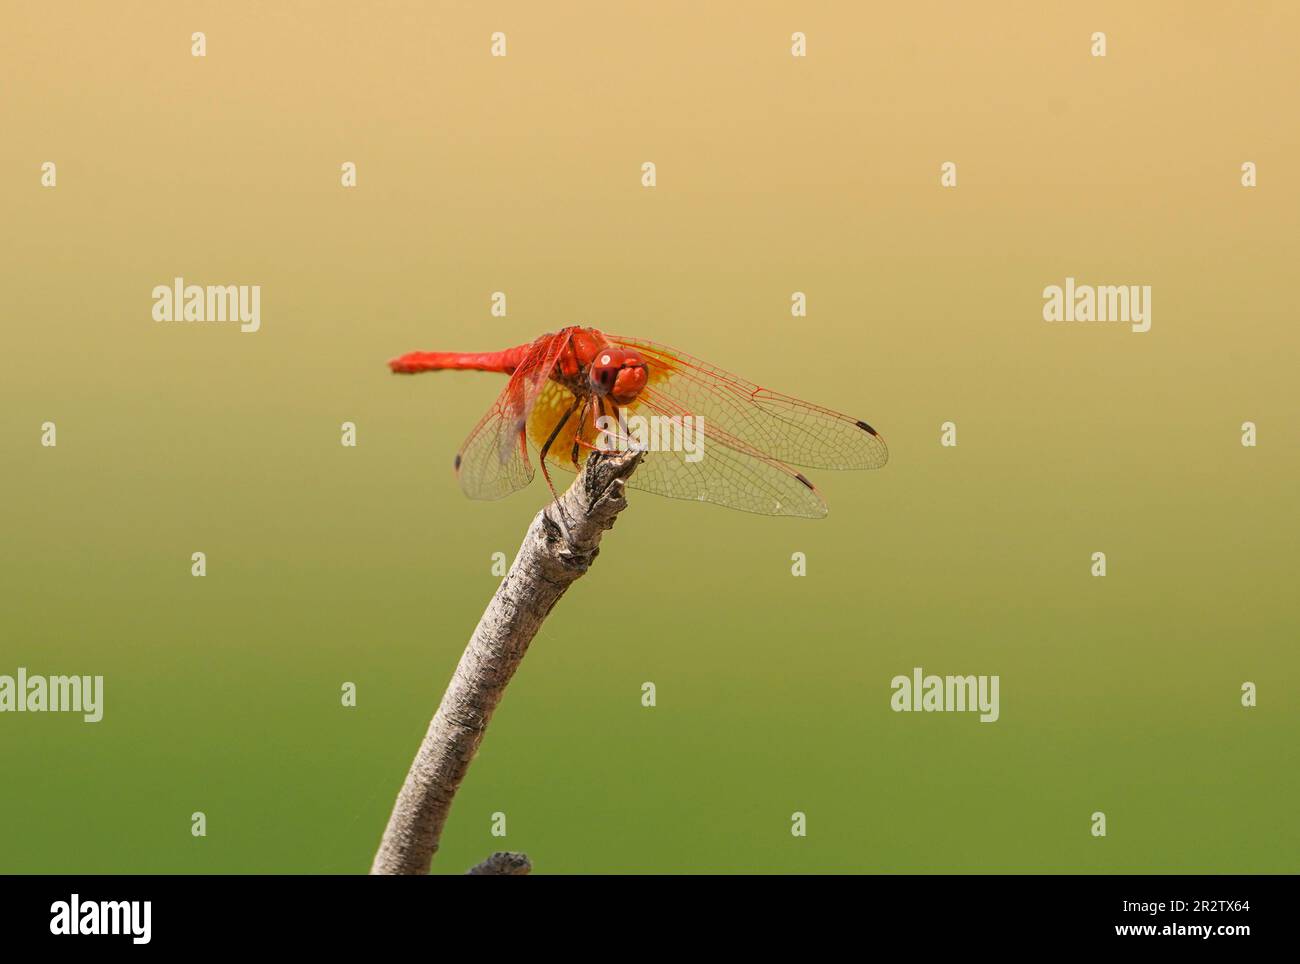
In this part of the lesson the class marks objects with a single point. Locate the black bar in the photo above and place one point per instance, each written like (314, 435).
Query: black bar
(330, 914)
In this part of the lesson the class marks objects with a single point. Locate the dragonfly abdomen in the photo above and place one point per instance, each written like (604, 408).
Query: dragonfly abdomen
(504, 362)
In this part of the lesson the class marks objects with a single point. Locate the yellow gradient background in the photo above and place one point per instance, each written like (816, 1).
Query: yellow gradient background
(775, 175)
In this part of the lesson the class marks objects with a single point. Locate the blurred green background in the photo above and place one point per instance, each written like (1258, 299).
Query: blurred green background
(775, 174)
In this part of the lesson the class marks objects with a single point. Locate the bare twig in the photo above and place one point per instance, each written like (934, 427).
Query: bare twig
(560, 545)
(503, 863)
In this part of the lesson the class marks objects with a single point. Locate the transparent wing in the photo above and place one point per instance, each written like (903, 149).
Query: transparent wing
(730, 479)
(493, 461)
(778, 426)
(712, 467)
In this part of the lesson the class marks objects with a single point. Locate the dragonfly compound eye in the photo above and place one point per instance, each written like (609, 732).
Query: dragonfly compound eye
(602, 374)
(629, 381)
(618, 373)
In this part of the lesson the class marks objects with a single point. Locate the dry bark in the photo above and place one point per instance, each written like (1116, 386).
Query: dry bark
(503, 863)
(558, 548)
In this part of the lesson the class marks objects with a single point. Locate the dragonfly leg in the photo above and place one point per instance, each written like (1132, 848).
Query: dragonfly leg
(550, 441)
(597, 409)
(610, 414)
(578, 441)
(615, 434)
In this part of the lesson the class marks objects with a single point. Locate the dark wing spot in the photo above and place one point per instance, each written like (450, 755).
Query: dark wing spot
(457, 461)
(867, 428)
(800, 477)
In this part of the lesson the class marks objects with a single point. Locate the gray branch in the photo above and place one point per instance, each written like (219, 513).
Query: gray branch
(503, 863)
(559, 547)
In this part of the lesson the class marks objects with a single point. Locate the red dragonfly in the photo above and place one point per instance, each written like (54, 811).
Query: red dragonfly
(733, 442)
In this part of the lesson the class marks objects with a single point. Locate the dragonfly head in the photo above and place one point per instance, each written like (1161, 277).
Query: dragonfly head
(619, 373)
